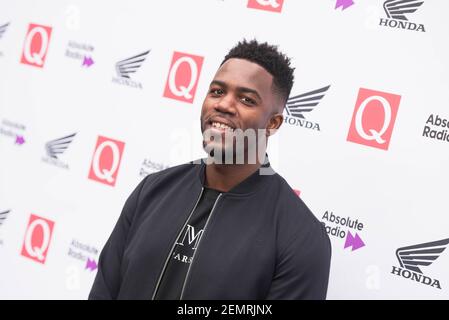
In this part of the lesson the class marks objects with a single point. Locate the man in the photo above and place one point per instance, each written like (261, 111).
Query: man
(228, 227)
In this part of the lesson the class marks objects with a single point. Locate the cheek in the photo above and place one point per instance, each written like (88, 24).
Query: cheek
(204, 109)
(254, 119)
(207, 106)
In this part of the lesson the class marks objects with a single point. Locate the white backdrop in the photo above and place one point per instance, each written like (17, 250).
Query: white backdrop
(368, 149)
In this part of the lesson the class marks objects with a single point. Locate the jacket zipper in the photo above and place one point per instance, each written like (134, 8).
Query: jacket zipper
(197, 248)
(173, 246)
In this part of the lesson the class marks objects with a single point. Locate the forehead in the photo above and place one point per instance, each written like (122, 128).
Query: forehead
(244, 73)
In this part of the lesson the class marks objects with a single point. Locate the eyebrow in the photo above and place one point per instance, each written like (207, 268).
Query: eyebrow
(241, 89)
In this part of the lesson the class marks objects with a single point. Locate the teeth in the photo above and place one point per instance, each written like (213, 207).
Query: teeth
(221, 126)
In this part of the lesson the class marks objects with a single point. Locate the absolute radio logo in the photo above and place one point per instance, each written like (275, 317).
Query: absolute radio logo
(82, 52)
(127, 67)
(36, 45)
(13, 130)
(343, 4)
(183, 77)
(55, 148)
(149, 166)
(299, 105)
(106, 160)
(397, 12)
(344, 228)
(37, 238)
(436, 128)
(85, 253)
(373, 118)
(413, 258)
(267, 5)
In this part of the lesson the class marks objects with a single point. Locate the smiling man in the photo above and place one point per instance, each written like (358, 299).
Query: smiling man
(228, 226)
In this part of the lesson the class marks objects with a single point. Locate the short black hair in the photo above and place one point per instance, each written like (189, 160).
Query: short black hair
(268, 57)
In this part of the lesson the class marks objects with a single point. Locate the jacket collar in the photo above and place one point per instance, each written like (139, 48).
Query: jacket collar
(247, 186)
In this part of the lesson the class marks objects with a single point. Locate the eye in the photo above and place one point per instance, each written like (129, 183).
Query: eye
(216, 92)
(248, 101)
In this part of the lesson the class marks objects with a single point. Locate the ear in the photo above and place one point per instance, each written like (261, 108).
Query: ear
(274, 123)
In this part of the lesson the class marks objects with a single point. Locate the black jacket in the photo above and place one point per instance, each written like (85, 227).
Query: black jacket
(261, 241)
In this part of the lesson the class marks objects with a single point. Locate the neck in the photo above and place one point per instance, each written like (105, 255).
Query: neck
(224, 177)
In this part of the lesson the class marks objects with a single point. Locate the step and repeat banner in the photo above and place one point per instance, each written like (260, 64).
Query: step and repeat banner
(95, 95)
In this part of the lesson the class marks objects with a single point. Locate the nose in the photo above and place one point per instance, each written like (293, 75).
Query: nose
(226, 105)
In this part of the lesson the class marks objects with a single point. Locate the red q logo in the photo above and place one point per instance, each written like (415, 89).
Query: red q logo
(106, 160)
(183, 77)
(36, 45)
(268, 5)
(373, 119)
(37, 238)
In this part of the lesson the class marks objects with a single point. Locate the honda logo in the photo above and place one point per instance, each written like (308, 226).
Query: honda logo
(129, 66)
(3, 29)
(183, 77)
(106, 160)
(37, 238)
(36, 45)
(373, 119)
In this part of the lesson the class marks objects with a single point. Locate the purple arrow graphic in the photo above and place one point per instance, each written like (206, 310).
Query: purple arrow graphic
(91, 264)
(344, 4)
(88, 61)
(354, 242)
(19, 140)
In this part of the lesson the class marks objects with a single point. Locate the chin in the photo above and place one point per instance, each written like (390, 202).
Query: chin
(216, 153)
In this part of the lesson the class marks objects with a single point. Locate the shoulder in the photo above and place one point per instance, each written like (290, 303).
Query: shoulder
(178, 169)
(157, 185)
(297, 224)
(291, 205)
(175, 173)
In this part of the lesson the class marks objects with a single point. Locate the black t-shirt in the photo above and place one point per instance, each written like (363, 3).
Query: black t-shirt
(173, 279)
